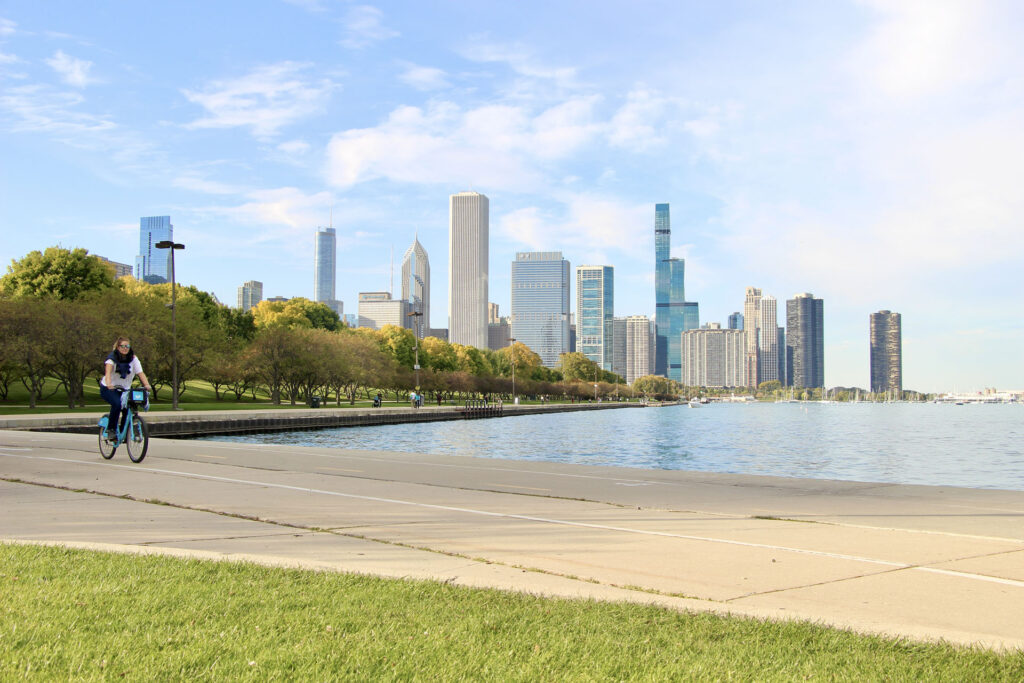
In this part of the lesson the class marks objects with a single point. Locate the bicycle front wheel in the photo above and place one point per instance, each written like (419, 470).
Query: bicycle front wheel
(107, 446)
(137, 441)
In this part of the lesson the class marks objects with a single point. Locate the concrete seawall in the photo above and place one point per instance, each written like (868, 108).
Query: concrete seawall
(202, 423)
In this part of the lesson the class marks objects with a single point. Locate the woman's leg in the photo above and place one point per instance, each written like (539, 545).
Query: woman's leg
(114, 399)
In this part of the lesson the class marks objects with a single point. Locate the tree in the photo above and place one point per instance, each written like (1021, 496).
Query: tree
(576, 366)
(657, 387)
(29, 321)
(399, 343)
(297, 312)
(78, 341)
(56, 273)
(269, 355)
(440, 355)
(470, 360)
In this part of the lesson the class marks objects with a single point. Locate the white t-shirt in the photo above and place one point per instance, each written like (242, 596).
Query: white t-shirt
(121, 382)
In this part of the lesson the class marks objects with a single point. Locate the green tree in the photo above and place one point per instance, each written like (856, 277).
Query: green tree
(440, 355)
(576, 366)
(57, 273)
(297, 312)
(78, 341)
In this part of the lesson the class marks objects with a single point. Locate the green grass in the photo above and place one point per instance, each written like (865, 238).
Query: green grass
(71, 614)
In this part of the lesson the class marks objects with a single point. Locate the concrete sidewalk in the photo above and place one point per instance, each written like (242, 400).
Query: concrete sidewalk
(920, 562)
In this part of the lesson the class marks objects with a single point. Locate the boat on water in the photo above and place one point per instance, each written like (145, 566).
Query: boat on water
(694, 403)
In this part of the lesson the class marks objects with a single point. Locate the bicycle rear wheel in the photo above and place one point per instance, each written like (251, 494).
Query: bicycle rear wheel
(107, 446)
(137, 441)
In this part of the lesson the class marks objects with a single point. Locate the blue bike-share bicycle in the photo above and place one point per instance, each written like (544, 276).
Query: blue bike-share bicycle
(134, 434)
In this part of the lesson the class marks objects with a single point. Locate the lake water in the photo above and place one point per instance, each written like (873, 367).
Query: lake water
(979, 446)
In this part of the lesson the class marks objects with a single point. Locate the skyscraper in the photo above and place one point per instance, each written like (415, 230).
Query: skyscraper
(751, 321)
(713, 357)
(639, 347)
(619, 346)
(805, 341)
(377, 309)
(154, 265)
(736, 321)
(250, 294)
(325, 267)
(468, 227)
(595, 297)
(540, 303)
(669, 297)
(416, 286)
(768, 340)
(886, 352)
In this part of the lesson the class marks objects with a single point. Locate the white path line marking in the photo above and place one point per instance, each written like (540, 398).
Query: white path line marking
(530, 518)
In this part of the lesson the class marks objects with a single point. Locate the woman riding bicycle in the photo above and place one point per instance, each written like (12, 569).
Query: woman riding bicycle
(119, 369)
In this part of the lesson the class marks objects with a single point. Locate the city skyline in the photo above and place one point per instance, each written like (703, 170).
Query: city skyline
(864, 151)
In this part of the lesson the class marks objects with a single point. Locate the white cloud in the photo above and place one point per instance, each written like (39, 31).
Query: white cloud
(198, 183)
(8, 59)
(424, 77)
(638, 124)
(494, 146)
(265, 100)
(38, 108)
(520, 59)
(364, 26)
(294, 147)
(589, 224)
(923, 47)
(7, 27)
(72, 71)
(276, 214)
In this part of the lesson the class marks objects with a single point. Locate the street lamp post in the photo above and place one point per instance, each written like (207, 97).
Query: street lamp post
(596, 367)
(416, 315)
(168, 244)
(512, 352)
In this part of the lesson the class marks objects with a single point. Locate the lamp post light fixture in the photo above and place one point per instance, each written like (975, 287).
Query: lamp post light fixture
(416, 315)
(168, 244)
(512, 353)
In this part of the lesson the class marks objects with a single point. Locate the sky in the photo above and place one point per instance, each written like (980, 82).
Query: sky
(870, 153)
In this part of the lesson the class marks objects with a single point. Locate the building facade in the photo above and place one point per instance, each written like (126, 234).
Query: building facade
(377, 309)
(735, 321)
(768, 340)
(714, 357)
(250, 294)
(416, 286)
(468, 228)
(325, 268)
(639, 352)
(805, 341)
(499, 334)
(751, 320)
(595, 313)
(669, 297)
(154, 265)
(120, 269)
(540, 303)
(886, 352)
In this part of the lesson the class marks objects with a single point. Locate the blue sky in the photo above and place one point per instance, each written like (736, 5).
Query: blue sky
(868, 152)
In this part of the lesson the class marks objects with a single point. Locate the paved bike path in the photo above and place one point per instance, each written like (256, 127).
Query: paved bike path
(921, 562)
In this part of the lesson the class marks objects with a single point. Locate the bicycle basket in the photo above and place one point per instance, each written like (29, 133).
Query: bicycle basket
(138, 396)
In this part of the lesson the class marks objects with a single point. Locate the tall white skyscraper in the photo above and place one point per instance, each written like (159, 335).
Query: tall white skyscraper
(595, 313)
(768, 340)
(751, 323)
(325, 267)
(416, 287)
(468, 227)
(640, 346)
(250, 294)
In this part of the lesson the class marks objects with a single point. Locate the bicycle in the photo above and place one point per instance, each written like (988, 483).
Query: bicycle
(134, 434)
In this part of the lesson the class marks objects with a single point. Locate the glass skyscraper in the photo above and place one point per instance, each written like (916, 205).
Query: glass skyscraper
(670, 313)
(540, 303)
(154, 265)
(595, 313)
(325, 268)
(416, 286)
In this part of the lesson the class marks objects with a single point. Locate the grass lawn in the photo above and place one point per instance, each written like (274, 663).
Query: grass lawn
(71, 614)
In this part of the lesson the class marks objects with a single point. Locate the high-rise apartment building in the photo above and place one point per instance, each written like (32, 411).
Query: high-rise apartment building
(805, 341)
(619, 346)
(886, 352)
(639, 347)
(540, 303)
(120, 269)
(416, 286)
(768, 340)
(377, 309)
(154, 265)
(669, 297)
(250, 294)
(468, 228)
(325, 268)
(751, 322)
(713, 357)
(595, 312)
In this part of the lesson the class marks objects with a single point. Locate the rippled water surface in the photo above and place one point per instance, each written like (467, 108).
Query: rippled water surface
(979, 446)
